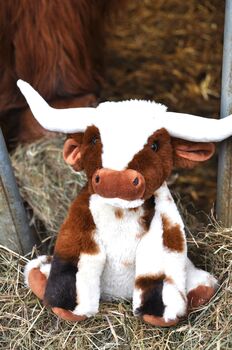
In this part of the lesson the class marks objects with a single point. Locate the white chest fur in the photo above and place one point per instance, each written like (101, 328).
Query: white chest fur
(120, 231)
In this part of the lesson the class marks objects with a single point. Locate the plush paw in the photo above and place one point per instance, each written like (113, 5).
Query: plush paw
(90, 309)
(200, 295)
(161, 306)
(37, 283)
(175, 303)
(159, 321)
(68, 315)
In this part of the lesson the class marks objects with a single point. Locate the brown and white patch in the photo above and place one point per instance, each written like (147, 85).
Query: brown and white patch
(151, 297)
(172, 235)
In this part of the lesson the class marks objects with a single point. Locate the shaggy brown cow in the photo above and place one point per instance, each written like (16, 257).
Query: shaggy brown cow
(58, 47)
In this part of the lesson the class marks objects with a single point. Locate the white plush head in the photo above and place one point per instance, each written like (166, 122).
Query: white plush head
(184, 126)
(128, 148)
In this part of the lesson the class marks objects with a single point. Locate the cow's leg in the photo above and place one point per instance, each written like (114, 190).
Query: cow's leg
(62, 286)
(36, 274)
(201, 286)
(88, 276)
(76, 287)
(160, 284)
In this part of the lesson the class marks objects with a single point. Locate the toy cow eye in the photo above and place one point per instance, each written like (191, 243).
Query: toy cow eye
(94, 140)
(155, 146)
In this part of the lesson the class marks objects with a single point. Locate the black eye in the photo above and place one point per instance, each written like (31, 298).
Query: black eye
(94, 140)
(155, 146)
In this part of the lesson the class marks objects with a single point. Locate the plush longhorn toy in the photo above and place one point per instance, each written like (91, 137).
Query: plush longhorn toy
(123, 236)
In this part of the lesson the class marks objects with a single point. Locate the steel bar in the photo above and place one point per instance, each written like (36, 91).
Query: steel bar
(224, 183)
(15, 232)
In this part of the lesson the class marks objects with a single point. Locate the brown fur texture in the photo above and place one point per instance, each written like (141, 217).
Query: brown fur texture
(172, 236)
(154, 166)
(57, 46)
(76, 234)
(151, 298)
(118, 213)
(149, 211)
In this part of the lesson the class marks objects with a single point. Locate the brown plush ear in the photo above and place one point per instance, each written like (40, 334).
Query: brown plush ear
(72, 152)
(188, 154)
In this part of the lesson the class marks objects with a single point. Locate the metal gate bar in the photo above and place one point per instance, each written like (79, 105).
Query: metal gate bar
(15, 232)
(224, 182)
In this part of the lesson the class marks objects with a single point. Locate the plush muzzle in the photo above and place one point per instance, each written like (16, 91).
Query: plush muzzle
(126, 184)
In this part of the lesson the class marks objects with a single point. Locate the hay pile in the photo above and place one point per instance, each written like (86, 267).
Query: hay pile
(46, 184)
(168, 51)
(25, 324)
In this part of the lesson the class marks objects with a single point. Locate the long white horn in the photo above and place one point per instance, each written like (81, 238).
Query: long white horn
(68, 120)
(193, 128)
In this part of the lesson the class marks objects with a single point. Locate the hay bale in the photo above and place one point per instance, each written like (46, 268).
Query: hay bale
(46, 184)
(26, 324)
(167, 51)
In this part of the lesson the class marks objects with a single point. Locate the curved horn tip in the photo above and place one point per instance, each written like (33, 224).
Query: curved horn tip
(21, 82)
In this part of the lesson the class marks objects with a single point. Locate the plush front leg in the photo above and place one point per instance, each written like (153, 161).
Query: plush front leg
(160, 284)
(36, 274)
(76, 287)
(201, 286)
(90, 268)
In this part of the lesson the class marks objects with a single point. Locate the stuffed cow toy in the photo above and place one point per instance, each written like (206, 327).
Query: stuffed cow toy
(123, 236)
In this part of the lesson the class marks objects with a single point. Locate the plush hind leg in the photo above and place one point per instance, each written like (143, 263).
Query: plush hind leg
(201, 286)
(36, 274)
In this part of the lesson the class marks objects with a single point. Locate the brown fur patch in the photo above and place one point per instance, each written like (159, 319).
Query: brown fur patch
(154, 166)
(37, 282)
(172, 235)
(134, 209)
(149, 211)
(118, 213)
(151, 299)
(76, 234)
(127, 263)
(147, 281)
(200, 296)
(91, 151)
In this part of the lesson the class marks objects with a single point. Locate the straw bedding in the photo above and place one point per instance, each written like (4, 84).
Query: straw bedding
(168, 51)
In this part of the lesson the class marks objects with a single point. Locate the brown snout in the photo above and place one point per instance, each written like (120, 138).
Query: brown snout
(126, 184)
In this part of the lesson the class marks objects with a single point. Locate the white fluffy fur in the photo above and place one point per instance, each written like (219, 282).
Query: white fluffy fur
(197, 277)
(119, 238)
(153, 259)
(90, 269)
(121, 203)
(41, 263)
(124, 128)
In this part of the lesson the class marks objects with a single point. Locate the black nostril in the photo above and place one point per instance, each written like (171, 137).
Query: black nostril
(136, 181)
(97, 179)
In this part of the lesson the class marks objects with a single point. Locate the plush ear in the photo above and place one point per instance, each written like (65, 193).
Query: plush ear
(72, 151)
(188, 154)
